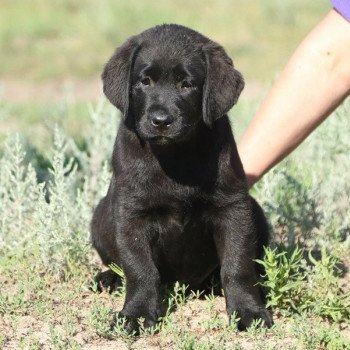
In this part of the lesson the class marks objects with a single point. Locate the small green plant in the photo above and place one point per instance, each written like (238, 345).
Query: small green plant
(178, 296)
(186, 341)
(100, 319)
(61, 341)
(120, 290)
(117, 269)
(214, 322)
(150, 331)
(284, 279)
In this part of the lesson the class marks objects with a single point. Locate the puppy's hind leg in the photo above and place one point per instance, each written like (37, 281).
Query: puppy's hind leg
(108, 280)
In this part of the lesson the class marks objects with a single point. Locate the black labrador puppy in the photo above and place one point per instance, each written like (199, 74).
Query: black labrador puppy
(177, 208)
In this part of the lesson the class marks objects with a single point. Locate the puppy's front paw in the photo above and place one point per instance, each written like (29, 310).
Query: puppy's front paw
(248, 314)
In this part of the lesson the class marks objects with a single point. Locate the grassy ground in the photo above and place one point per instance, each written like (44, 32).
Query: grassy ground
(48, 300)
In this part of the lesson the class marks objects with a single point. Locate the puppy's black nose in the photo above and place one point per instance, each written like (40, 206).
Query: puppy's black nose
(161, 119)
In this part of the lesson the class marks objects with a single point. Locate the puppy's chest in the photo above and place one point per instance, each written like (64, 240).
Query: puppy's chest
(176, 206)
(164, 201)
(184, 239)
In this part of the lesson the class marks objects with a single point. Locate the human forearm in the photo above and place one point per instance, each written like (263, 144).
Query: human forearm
(313, 83)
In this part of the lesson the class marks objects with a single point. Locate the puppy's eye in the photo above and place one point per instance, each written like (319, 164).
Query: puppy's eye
(146, 81)
(186, 85)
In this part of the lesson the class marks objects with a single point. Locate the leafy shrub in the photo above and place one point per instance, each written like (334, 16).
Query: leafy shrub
(51, 220)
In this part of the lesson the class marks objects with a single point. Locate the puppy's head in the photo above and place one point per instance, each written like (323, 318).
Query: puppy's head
(167, 80)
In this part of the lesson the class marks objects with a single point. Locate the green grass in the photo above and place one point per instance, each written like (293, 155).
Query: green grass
(48, 299)
(64, 38)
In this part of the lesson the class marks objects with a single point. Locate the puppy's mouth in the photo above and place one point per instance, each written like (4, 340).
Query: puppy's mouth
(161, 140)
(164, 137)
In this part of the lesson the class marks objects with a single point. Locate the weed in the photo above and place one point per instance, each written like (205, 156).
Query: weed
(284, 279)
(117, 269)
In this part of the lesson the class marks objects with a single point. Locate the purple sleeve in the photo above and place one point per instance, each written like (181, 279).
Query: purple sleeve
(343, 7)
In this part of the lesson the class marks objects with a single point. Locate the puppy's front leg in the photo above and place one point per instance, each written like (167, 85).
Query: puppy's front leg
(142, 276)
(236, 242)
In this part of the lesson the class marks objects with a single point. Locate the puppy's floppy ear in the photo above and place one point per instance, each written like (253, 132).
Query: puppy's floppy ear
(116, 75)
(223, 83)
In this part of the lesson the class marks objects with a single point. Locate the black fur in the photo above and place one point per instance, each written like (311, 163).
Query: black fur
(177, 207)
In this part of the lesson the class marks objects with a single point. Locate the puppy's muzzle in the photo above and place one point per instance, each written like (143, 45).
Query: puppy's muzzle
(160, 120)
